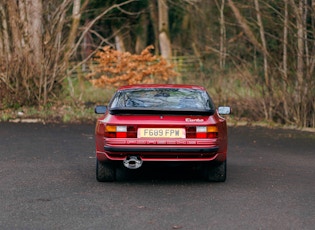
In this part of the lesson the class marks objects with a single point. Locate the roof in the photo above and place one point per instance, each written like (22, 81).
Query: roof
(145, 86)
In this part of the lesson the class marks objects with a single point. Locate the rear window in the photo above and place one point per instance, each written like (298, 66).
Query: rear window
(162, 99)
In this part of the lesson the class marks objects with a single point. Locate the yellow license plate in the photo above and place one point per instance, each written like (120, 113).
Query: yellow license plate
(161, 132)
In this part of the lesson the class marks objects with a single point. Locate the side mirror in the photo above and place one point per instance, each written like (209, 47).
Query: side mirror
(224, 110)
(100, 109)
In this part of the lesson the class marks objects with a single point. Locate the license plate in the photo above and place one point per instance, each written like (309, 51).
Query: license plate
(161, 132)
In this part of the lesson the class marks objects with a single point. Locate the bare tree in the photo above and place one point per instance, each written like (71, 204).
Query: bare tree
(262, 47)
(245, 25)
(268, 102)
(303, 97)
(37, 45)
(290, 97)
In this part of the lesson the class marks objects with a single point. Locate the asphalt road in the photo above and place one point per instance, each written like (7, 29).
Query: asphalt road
(48, 182)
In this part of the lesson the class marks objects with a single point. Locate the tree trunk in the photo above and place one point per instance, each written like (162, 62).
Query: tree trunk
(268, 95)
(299, 11)
(264, 44)
(154, 18)
(76, 16)
(285, 59)
(244, 24)
(119, 40)
(300, 51)
(34, 17)
(142, 34)
(165, 43)
(4, 34)
(14, 31)
(222, 36)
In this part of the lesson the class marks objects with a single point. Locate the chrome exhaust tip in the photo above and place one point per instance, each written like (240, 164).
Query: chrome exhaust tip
(132, 162)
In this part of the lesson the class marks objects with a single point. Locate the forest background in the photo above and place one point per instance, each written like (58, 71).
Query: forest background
(256, 56)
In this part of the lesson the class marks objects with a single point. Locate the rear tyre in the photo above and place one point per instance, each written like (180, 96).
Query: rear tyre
(215, 172)
(105, 172)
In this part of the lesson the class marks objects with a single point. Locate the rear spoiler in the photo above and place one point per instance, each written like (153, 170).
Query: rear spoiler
(126, 111)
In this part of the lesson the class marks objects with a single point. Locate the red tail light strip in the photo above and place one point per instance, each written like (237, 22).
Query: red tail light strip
(200, 132)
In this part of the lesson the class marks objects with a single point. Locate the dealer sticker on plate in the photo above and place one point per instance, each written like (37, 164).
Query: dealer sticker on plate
(161, 132)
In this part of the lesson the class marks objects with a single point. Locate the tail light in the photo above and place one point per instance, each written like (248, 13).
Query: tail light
(120, 131)
(202, 132)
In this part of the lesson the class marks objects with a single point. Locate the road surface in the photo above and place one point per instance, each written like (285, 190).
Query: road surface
(48, 182)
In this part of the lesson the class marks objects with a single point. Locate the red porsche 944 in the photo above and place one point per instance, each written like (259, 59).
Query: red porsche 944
(161, 123)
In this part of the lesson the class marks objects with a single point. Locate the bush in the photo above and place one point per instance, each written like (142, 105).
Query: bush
(115, 68)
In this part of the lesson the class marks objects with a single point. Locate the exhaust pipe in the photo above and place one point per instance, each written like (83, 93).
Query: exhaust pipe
(132, 162)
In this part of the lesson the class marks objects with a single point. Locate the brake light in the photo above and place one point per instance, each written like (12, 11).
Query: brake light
(120, 131)
(202, 132)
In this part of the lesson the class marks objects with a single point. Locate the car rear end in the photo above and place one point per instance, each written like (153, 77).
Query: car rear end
(138, 136)
(169, 138)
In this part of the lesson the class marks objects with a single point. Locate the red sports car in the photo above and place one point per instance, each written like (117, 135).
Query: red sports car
(161, 123)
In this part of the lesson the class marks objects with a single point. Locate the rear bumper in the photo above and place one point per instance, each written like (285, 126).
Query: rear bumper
(161, 150)
(155, 149)
(159, 154)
